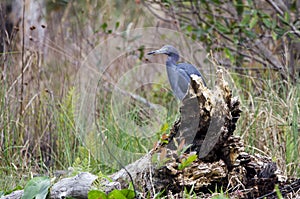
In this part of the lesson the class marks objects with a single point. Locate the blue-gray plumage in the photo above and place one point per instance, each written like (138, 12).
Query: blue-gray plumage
(179, 74)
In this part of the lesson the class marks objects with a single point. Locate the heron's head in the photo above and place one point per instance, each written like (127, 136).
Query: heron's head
(167, 49)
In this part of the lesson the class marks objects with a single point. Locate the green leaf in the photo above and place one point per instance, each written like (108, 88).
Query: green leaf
(129, 194)
(37, 188)
(229, 54)
(277, 190)
(181, 166)
(104, 26)
(253, 21)
(116, 194)
(239, 6)
(96, 194)
(187, 162)
(268, 22)
(249, 33)
(274, 35)
(164, 127)
(246, 19)
(284, 20)
(18, 187)
(191, 159)
(222, 28)
(189, 28)
(117, 24)
(287, 17)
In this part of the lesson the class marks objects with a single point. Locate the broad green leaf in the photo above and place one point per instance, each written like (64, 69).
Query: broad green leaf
(181, 166)
(116, 194)
(96, 194)
(190, 159)
(129, 194)
(37, 188)
(187, 162)
(189, 28)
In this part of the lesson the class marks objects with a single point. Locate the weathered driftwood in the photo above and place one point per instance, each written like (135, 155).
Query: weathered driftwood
(77, 186)
(14, 195)
(205, 127)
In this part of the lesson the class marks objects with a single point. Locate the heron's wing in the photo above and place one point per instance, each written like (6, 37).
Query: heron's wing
(179, 81)
(190, 69)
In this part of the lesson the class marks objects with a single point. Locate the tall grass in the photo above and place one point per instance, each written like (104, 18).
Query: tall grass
(270, 121)
(46, 137)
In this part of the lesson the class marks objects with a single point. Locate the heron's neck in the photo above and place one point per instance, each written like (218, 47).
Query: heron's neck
(172, 59)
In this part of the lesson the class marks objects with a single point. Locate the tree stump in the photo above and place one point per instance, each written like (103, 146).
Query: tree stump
(205, 128)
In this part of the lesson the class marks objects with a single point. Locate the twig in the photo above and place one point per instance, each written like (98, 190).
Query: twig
(284, 190)
(136, 97)
(29, 61)
(156, 15)
(23, 60)
(246, 55)
(268, 55)
(274, 5)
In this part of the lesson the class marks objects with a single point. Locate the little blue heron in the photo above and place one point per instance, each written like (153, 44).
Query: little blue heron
(179, 74)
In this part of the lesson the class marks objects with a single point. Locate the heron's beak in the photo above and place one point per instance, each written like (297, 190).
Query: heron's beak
(151, 53)
(160, 51)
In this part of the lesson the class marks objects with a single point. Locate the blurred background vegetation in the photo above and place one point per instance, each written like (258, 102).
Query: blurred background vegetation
(43, 44)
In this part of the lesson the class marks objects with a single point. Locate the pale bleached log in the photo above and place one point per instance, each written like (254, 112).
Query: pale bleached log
(14, 195)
